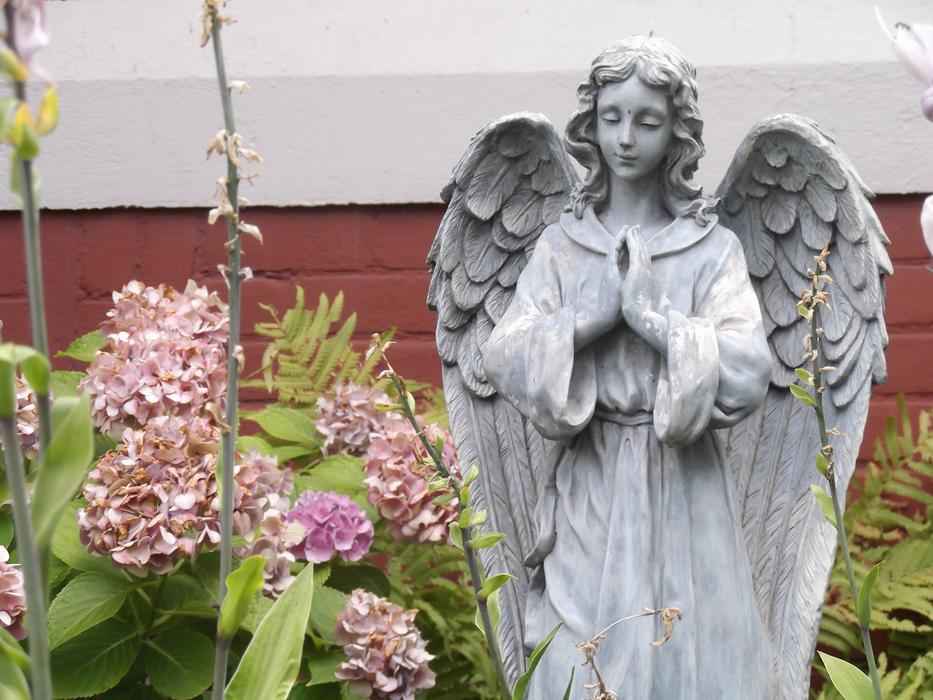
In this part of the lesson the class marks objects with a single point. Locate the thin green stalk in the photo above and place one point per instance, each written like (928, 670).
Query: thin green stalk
(228, 436)
(815, 334)
(30, 216)
(36, 606)
(469, 552)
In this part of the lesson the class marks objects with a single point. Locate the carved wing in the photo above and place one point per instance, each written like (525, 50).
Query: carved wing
(789, 192)
(513, 180)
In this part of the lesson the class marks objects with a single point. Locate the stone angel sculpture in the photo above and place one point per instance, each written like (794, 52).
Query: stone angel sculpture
(616, 356)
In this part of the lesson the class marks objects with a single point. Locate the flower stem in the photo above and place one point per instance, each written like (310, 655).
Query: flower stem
(29, 556)
(229, 430)
(816, 335)
(30, 216)
(469, 552)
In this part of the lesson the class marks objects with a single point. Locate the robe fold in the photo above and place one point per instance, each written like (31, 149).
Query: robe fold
(640, 509)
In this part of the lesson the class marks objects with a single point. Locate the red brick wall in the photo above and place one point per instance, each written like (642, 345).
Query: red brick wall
(375, 254)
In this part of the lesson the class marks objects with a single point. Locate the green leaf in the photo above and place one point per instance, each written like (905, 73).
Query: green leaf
(7, 386)
(10, 649)
(851, 683)
(271, 662)
(63, 383)
(522, 683)
(806, 376)
(487, 539)
(339, 473)
(494, 583)
(94, 661)
(84, 602)
(180, 663)
(495, 612)
(864, 596)
(36, 370)
(471, 474)
(347, 577)
(66, 545)
(825, 503)
(6, 527)
(322, 664)
(247, 443)
(569, 685)
(456, 535)
(258, 609)
(185, 596)
(85, 347)
(802, 395)
(64, 465)
(326, 607)
(13, 685)
(287, 424)
(242, 584)
(822, 464)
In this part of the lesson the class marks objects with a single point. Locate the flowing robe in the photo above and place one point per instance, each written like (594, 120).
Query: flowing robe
(640, 508)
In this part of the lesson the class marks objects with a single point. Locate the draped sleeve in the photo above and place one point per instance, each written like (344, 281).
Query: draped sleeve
(530, 358)
(718, 364)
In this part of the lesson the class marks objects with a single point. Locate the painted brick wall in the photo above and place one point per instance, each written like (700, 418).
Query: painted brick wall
(375, 254)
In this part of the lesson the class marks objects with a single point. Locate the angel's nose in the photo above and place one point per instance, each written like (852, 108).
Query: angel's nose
(627, 133)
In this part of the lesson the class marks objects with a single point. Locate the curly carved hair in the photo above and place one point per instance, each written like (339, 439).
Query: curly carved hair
(659, 64)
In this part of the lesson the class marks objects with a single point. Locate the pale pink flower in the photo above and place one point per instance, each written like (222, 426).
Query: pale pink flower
(154, 497)
(27, 419)
(398, 470)
(333, 524)
(274, 541)
(387, 659)
(165, 354)
(12, 597)
(29, 27)
(926, 222)
(348, 415)
(913, 46)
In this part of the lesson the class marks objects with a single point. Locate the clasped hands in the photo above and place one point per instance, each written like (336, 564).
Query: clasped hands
(624, 292)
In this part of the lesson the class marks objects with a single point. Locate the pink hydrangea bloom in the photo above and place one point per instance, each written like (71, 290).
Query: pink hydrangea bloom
(348, 416)
(12, 597)
(387, 658)
(274, 541)
(154, 497)
(398, 481)
(333, 525)
(165, 353)
(27, 419)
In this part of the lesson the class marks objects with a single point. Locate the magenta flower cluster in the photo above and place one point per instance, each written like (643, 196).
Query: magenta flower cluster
(12, 597)
(387, 658)
(398, 470)
(165, 353)
(154, 497)
(333, 524)
(348, 416)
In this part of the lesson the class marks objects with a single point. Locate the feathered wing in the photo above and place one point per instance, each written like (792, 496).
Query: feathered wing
(513, 180)
(789, 192)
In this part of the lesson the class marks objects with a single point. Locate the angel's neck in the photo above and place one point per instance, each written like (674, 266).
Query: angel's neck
(634, 202)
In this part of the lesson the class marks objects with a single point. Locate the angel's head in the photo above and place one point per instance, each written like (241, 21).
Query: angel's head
(670, 129)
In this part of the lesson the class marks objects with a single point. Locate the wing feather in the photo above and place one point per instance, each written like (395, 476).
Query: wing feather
(513, 181)
(788, 194)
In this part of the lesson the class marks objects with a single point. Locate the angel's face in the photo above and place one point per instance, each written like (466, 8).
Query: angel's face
(634, 126)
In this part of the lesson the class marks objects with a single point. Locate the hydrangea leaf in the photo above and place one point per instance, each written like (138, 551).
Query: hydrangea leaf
(86, 601)
(180, 663)
(84, 348)
(95, 660)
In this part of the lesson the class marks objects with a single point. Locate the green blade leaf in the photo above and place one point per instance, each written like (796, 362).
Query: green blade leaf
(180, 663)
(36, 370)
(864, 596)
(85, 347)
(521, 684)
(86, 601)
(803, 395)
(94, 661)
(825, 503)
(271, 662)
(13, 685)
(494, 583)
(241, 585)
(851, 682)
(487, 539)
(64, 464)
(569, 685)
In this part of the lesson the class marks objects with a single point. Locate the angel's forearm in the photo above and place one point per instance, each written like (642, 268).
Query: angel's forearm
(587, 328)
(653, 329)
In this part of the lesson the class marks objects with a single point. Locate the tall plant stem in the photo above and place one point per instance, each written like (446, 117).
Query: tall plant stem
(815, 334)
(469, 552)
(228, 436)
(29, 556)
(30, 215)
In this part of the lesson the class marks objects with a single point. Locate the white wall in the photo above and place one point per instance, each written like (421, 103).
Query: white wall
(374, 101)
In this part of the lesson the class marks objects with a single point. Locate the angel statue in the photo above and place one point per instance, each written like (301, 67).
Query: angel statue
(616, 356)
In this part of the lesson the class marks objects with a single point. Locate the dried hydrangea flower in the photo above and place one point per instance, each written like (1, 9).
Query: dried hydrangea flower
(398, 471)
(12, 597)
(387, 658)
(334, 525)
(165, 353)
(274, 541)
(27, 419)
(154, 497)
(347, 417)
